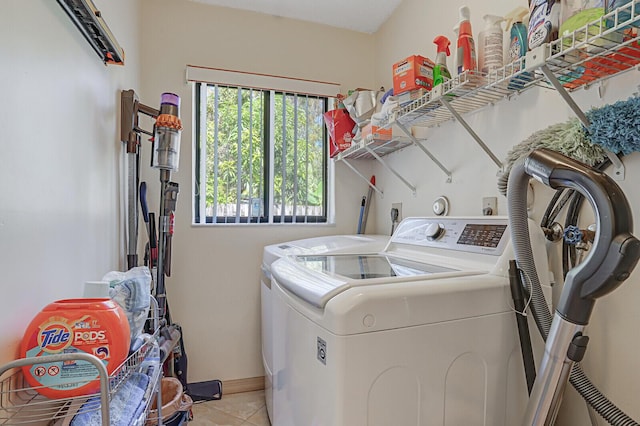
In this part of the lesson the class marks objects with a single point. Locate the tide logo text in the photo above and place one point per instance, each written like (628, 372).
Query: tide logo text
(55, 336)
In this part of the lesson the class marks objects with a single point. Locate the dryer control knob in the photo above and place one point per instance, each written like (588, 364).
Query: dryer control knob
(434, 231)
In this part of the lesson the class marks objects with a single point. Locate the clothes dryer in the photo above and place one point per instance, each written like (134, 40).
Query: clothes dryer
(422, 333)
(317, 245)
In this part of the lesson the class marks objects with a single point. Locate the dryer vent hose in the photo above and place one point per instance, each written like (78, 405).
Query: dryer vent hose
(518, 219)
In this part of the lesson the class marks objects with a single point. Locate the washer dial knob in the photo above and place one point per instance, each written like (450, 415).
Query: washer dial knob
(434, 231)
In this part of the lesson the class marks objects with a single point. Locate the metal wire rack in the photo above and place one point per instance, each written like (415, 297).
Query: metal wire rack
(596, 51)
(21, 403)
(361, 150)
(599, 50)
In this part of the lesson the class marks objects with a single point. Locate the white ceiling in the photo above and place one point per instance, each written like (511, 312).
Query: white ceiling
(359, 15)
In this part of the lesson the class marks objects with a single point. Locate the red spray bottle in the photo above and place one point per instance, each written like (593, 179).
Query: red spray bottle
(466, 53)
(440, 71)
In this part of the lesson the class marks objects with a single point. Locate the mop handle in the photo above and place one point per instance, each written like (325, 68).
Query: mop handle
(361, 214)
(367, 204)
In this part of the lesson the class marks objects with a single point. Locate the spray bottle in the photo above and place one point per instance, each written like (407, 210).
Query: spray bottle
(543, 22)
(456, 31)
(518, 44)
(466, 52)
(490, 50)
(440, 71)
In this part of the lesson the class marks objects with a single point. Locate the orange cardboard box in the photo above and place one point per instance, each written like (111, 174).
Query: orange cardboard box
(415, 72)
(370, 132)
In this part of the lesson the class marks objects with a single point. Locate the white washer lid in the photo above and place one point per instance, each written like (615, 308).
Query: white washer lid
(318, 278)
(325, 244)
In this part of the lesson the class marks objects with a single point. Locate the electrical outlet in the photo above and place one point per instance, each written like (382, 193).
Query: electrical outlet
(489, 206)
(399, 207)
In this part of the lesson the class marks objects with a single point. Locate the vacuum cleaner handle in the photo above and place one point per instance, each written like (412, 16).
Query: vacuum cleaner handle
(615, 251)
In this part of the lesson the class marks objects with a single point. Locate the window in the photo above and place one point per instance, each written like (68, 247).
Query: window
(261, 156)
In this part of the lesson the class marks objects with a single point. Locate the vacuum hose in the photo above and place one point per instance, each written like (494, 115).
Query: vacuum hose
(615, 253)
(517, 199)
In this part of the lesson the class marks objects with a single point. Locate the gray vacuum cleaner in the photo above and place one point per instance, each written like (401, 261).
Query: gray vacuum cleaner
(613, 256)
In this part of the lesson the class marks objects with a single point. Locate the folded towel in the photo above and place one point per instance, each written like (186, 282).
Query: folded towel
(125, 407)
(131, 290)
(151, 367)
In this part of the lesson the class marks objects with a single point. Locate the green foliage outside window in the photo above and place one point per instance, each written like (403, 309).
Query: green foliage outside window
(238, 129)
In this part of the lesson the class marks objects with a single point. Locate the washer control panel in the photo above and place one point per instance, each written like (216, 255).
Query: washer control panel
(486, 235)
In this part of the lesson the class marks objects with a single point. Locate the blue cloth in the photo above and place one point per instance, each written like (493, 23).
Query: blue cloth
(125, 406)
(386, 95)
(131, 290)
(616, 127)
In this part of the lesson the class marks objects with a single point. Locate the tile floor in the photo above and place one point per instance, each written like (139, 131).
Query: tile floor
(238, 409)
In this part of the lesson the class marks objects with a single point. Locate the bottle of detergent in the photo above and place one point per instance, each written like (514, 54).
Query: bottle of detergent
(624, 14)
(490, 48)
(440, 71)
(97, 326)
(518, 45)
(466, 52)
(544, 16)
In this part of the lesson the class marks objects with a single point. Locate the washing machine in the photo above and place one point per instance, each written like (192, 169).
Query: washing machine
(423, 333)
(317, 245)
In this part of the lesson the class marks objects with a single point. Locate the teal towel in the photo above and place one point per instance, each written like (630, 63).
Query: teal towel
(125, 407)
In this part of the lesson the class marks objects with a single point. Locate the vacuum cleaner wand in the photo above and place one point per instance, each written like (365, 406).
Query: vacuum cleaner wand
(166, 155)
(614, 255)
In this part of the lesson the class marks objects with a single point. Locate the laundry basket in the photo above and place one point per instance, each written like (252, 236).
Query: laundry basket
(174, 401)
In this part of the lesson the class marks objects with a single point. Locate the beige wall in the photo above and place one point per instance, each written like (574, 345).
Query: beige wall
(214, 289)
(611, 360)
(60, 221)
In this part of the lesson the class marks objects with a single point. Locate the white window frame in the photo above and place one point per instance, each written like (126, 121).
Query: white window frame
(199, 74)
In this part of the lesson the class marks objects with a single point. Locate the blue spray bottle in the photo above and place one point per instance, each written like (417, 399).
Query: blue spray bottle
(518, 45)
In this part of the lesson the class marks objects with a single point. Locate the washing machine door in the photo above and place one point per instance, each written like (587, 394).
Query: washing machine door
(317, 278)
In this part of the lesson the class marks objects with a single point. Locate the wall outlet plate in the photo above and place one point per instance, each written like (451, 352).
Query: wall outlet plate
(489, 206)
(399, 207)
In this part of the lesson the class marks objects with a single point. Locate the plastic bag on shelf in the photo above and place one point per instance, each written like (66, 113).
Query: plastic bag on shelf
(341, 128)
(361, 104)
(132, 291)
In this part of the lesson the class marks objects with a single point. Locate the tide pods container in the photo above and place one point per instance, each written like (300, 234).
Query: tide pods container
(96, 326)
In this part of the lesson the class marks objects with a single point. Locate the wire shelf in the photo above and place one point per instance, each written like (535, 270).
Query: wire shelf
(362, 150)
(21, 403)
(596, 51)
(601, 49)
